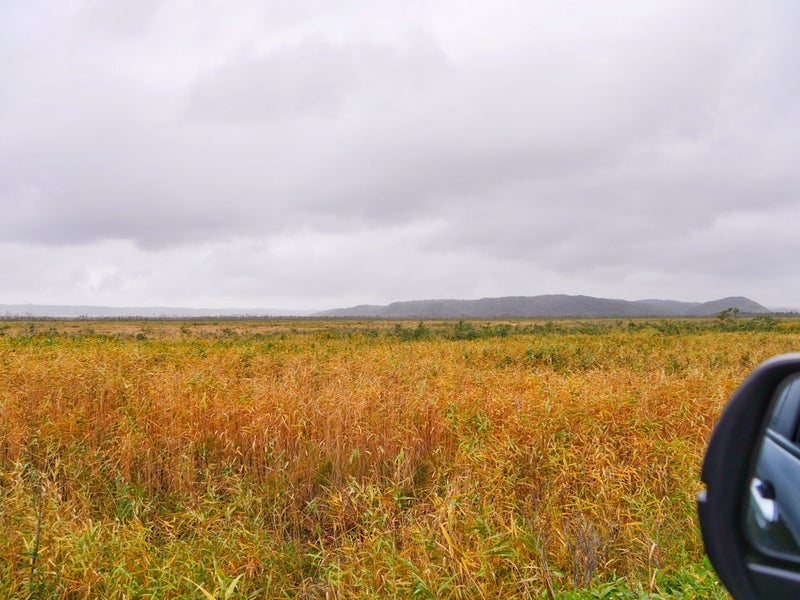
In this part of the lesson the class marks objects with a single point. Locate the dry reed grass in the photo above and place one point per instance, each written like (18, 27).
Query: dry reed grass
(336, 461)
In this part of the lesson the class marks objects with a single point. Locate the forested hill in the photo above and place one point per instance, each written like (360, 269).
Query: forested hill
(548, 306)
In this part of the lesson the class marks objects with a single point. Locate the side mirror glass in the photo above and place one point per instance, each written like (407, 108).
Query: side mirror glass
(772, 518)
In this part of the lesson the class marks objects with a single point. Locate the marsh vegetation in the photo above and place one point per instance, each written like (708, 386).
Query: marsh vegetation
(327, 459)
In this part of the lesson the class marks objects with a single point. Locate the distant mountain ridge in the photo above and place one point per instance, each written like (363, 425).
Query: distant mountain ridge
(546, 306)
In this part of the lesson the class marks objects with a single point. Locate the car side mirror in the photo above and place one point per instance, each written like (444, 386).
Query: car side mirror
(750, 509)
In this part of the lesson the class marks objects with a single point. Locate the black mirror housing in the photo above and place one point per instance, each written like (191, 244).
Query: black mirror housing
(727, 470)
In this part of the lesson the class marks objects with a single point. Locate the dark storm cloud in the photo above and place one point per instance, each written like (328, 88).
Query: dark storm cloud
(565, 140)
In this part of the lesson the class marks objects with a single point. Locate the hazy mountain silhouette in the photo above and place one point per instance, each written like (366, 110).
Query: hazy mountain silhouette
(550, 306)
(547, 306)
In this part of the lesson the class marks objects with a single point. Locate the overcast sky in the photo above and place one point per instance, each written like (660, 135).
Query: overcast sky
(315, 154)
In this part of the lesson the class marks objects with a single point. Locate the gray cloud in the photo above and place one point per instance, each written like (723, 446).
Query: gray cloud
(120, 17)
(458, 150)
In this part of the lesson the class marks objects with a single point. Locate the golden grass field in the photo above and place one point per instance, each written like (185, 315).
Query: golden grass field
(341, 459)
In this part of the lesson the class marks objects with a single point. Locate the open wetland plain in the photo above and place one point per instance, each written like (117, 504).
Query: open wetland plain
(368, 459)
